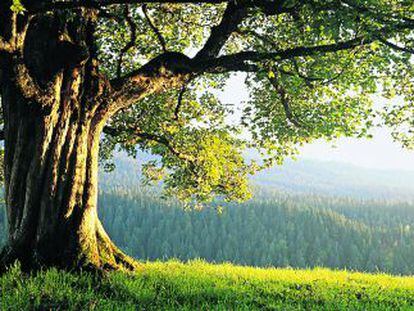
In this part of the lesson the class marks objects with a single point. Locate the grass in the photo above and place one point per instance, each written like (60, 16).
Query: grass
(201, 286)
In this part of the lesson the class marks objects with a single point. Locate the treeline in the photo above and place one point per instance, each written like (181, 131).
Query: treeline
(272, 230)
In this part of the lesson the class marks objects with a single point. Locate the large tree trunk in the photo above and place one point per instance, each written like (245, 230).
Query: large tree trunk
(51, 161)
(51, 165)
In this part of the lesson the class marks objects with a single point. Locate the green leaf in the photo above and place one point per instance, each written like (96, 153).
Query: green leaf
(17, 7)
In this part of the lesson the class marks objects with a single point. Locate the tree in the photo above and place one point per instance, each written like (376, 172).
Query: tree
(143, 72)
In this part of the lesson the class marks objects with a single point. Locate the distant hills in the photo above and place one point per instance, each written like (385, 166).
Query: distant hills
(339, 179)
(302, 176)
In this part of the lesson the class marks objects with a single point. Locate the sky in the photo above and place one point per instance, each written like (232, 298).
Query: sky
(380, 152)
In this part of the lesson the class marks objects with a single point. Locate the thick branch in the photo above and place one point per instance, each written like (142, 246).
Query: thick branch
(173, 69)
(293, 52)
(170, 65)
(30, 89)
(168, 70)
(232, 17)
(244, 61)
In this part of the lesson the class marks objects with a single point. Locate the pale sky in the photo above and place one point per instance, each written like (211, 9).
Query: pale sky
(380, 152)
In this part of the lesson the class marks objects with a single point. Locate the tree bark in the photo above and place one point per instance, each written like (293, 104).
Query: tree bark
(51, 158)
(51, 165)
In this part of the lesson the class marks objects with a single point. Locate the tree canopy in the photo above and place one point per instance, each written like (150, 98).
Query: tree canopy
(311, 68)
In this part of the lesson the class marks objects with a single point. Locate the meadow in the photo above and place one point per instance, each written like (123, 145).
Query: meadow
(198, 285)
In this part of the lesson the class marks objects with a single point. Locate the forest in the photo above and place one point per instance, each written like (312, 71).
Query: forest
(277, 230)
(274, 229)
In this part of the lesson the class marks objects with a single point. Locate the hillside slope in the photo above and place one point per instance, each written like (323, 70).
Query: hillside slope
(200, 286)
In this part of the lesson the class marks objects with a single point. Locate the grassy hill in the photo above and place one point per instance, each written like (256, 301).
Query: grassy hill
(200, 286)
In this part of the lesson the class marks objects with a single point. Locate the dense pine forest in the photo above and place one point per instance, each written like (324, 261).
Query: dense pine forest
(271, 230)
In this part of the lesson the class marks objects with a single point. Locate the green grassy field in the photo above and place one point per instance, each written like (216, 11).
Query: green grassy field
(200, 286)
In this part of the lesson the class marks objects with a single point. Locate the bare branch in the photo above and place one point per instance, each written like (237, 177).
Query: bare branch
(155, 29)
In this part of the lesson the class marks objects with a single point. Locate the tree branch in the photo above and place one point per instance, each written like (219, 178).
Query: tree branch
(155, 29)
(131, 42)
(232, 17)
(173, 69)
(6, 46)
(269, 7)
(242, 60)
(179, 102)
(16, 38)
(28, 86)
(263, 38)
(168, 70)
(375, 13)
(284, 100)
(96, 4)
(136, 131)
(310, 79)
(395, 46)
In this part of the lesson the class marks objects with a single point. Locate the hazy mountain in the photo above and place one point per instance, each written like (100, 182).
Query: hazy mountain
(301, 176)
(335, 178)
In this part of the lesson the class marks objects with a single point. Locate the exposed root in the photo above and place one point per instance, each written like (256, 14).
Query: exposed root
(105, 257)
(111, 256)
